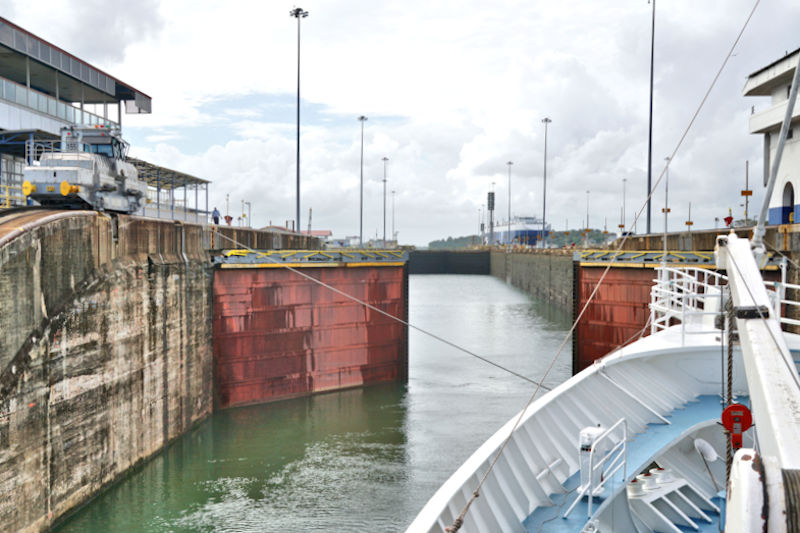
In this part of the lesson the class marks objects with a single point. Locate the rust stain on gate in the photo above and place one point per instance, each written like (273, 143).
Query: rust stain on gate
(617, 313)
(279, 335)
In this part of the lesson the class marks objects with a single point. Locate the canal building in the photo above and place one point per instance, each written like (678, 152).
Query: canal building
(774, 81)
(44, 88)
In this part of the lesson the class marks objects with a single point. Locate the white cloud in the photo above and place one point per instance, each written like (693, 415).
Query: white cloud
(452, 91)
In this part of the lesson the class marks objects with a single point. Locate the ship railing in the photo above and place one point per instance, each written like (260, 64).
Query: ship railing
(607, 464)
(694, 297)
(690, 296)
(783, 306)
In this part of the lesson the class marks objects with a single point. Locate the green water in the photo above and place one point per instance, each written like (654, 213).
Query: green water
(357, 460)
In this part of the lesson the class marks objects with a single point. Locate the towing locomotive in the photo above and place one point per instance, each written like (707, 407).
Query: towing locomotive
(86, 169)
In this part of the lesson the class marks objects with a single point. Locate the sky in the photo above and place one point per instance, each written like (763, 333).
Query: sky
(452, 91)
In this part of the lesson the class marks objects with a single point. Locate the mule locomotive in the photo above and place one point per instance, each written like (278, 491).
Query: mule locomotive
(86, 169)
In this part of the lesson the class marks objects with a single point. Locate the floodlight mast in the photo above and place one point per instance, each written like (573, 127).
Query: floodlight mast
(298, 13)
(361, 119)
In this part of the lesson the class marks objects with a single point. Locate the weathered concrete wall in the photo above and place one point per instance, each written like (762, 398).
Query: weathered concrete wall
(544, 274)
(105, 349)
(105, 356)
(448, 262)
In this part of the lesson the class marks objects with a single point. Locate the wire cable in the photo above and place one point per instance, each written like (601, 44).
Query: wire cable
(389, 315)
(460, 519)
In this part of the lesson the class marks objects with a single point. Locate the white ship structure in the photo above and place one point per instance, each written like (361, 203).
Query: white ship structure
(695, 427)
(525, 231)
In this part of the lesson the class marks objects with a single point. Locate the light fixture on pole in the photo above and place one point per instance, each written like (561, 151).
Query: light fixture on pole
(394, 233)
(509, 201)
(298, 13)
(544, 186)
(361, 119)
(650, 127)
(586, 238)
(666, 208)
(385, 160)
(624, 215)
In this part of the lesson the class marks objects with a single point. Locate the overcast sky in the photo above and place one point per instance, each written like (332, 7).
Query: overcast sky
(453, 90)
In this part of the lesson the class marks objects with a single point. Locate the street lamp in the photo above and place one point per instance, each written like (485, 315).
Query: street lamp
(624, 217)
(298, 13)
(509, 201)
(666, 207)
(586, 239)
(546, 121)
(394, 234)
(385, 160)
(650, 128)
(361, 119)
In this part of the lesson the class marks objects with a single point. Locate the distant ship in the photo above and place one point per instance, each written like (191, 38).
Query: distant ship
(522, 230)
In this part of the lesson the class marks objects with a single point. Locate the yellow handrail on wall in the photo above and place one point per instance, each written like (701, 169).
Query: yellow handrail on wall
(8, 195)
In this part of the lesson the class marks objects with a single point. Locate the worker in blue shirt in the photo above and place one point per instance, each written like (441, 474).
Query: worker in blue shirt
(215, 216)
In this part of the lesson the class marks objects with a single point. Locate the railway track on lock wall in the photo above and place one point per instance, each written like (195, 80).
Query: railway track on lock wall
(15, 221)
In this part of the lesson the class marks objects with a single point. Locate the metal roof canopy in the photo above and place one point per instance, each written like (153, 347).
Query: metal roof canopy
(163, 177)
(763, 87)
(80, 80)
(13, 141)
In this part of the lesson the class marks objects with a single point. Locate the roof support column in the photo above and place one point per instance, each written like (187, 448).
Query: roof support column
(196, 203)
(158, 193)
(185, 200)
(28, 81)
(119, 113)
(172, 198)
(58, 94)
(206, 202)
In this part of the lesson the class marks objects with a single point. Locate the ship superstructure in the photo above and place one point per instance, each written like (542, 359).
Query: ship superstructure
(525, 231)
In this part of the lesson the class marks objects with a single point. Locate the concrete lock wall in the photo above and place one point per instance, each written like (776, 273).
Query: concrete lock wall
(105, 356)
(106, 348)
(544, 274)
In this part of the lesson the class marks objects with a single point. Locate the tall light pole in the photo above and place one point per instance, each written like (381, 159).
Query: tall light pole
(624, 217)
(544, 186)
(509, 201)
(298, 13)
(586, 241)
(385, 160)
(361, 119)
(490, 207)
(666, 208)
(650, 128)
(394, 234)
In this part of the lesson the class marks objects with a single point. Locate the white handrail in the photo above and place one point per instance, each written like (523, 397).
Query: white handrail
(681, 294)
(619, 452)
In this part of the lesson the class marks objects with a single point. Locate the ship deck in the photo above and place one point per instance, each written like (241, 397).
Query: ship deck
(641, 451)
